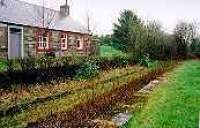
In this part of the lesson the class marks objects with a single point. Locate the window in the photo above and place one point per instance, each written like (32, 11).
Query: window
(79, 43)
(43, 42)
(63, 41)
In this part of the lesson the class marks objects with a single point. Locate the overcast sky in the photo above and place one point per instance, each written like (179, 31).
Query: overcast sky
(104, 12)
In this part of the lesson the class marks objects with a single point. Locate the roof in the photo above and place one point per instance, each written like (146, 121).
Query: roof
(22, 13)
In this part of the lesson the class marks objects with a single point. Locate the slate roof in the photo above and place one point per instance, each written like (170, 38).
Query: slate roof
(22, 13)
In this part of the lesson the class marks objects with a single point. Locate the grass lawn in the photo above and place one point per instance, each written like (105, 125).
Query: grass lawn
(109, 51)
(175, 104)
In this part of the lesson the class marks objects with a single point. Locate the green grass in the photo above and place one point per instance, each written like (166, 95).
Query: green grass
(175, 104)
(109, 51)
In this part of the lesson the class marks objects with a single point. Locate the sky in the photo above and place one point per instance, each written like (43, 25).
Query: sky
(103, 13)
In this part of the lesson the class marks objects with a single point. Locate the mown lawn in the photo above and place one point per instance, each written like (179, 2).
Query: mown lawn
(175, 104)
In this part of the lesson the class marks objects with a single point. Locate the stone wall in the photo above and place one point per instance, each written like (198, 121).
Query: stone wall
(30, 43)
(72, 43)
(3, 41)
(30, 38)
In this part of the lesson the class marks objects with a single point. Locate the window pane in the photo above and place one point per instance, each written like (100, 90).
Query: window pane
(40, 39)
(44, 39)
(78, 43)
(63, 40)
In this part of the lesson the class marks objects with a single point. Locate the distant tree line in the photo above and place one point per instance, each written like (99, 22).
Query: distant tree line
(138, 38)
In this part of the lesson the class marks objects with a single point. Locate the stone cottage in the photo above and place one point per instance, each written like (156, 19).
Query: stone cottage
(31, 30)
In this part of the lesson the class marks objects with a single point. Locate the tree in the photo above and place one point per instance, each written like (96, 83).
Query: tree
(195, 47)
(123, 33)
(153, 42)
(105, 40)
(140, 39)
(184, 35)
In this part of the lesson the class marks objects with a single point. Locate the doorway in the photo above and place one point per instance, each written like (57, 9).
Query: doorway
(15, 42)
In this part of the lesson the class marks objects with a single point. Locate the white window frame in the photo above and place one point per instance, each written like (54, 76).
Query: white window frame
(64, 41)
(80, 39)
(41, 42)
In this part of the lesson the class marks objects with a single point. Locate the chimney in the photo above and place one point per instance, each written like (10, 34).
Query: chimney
(65, 9)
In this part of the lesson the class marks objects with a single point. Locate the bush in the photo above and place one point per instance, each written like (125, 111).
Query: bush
(27, 64)
(145, 60)
(32, 70)
(3, 65)
(121, 61)
(113, 62)
(10, 66)
(88, 69)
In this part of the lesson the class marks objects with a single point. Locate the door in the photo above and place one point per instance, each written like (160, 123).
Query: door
(15, 44)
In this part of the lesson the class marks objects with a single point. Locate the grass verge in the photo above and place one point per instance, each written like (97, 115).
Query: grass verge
(175, 104)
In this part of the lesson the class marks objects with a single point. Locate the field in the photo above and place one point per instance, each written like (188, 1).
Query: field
(175, 104)
(109, 51)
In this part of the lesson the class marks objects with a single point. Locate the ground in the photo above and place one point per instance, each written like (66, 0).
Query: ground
(175, 104)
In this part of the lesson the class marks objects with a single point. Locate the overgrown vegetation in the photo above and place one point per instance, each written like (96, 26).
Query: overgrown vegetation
(3, 65)
(67, 102)
(41, 93)
(31, 70)
(88, 69)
